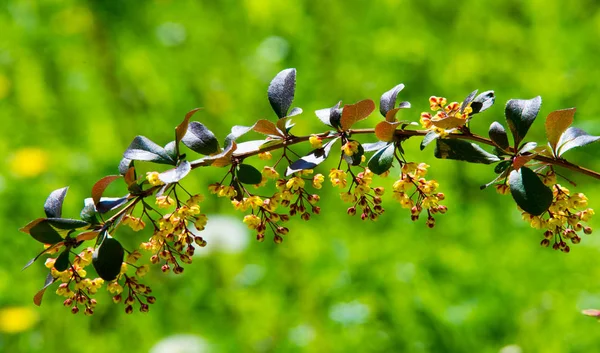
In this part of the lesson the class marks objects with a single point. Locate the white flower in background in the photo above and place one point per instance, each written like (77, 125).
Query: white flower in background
(223, 233)
(181, 344)
(302, 335)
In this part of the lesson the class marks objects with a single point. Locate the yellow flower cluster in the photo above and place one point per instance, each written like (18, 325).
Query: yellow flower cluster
(426, 194)
(364, 196)
(448, 117)
(338, 178)
(153, 179)
(134, 223)
(222, 191)
(563, 219)
(350, 148)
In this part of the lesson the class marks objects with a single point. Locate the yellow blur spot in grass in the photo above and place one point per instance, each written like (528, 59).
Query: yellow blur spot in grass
(29, 162)
(4, 86)
(17, 319)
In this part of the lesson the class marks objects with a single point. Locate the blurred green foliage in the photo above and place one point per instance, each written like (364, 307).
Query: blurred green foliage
(79, 79)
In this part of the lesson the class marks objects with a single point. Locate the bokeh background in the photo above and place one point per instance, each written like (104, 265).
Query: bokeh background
(79, 79)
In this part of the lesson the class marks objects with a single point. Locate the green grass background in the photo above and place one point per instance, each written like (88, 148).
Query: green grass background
(79, 79)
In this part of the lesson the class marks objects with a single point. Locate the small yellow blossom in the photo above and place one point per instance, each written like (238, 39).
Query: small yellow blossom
(315, 141)
(153, 178)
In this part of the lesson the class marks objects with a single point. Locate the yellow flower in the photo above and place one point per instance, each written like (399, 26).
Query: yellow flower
(436, 103)
(294, 183)
(318, 181)
(252, 221)
(201, 221)
(270, 173)
(134, 223)
(350, 148)
(153, 178)
(315, 141)
(265, 156)
(164, 201)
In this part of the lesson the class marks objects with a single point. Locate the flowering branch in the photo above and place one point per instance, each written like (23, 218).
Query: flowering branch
(524, 170)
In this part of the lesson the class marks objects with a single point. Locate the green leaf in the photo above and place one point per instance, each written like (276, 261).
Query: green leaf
(498, 135)
(41, 230)
(312, 159)
(281, 91)
(88, 213)
(54, 202)
(529, 191)
(62, 261)
(247, 174)
(574, 137)
(67, 223)
(556, 123)
(502, 166)
(382, 160)
(388, 99)
(200, 139)
(107, 259)
(463, 151)
(520, 114)
(143, 149)
(429, 138)
(176, 174)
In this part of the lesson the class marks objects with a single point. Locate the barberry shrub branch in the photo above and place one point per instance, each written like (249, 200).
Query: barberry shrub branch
(287, 185)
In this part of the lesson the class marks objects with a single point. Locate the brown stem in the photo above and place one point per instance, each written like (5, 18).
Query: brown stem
(410, 133)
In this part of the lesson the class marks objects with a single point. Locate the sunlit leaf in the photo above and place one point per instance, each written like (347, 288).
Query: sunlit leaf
(176, 174)
(37, 299)
(311, 160)
(181, 129)
(266, 127)
(429, 138)
(356, 112)
(498, 135)
(143, 149)
(281, 91)
(54, 202)
(200, 139)
(482, 102)
(388, 100)
(468, 100)
(385, 130)
(574, 137)
(41, 230)
(556, 123)
(529, 191)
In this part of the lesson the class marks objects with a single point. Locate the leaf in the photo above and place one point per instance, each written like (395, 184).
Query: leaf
(447, 123)
(130, 177)
(382, 160)
(520, 161)
(267, 128)
(42, 231)
(482, 102)
(281, 91)
(67, 223)
(388, 100)
(54, 202)
(574, 137)
(251, 146)
(143, 149)
(498, 135)
(429, 138)
(181, 129)
(294, 112)
(330, 116)
(502, 166)
(172, 150)
(89, 235)
(311, 160)
(463, 151)
(40, 254)
(556, 123)
(356, 112)
(62, 261)
(200, 139)
(176, 174)
(529, 191)
(527, 147)
(125, 165)
(247, 174)
(375, 146)
(107, 259)
(108, 204)
(37, 299)
(101, 185)
(88, 213)
(385, 130)
(468, 100)
(520, 114)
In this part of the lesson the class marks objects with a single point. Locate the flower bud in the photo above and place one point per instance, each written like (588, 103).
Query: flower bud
(260, 237)
(278, 239)
(545, 243)
(74, 310)
(151, 300)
